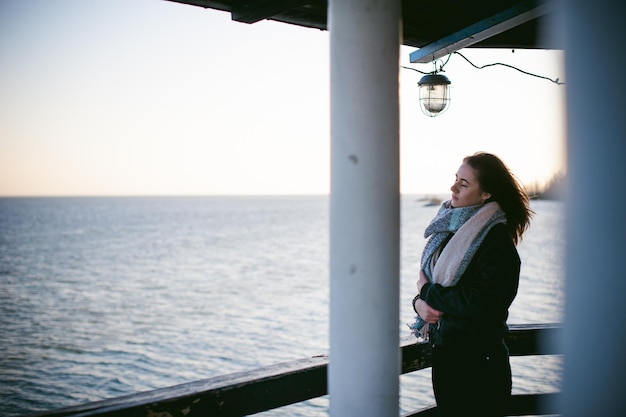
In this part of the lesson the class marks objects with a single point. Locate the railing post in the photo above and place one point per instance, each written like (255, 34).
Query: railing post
(364, 210)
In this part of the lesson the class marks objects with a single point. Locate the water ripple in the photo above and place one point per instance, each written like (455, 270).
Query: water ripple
(102, 297)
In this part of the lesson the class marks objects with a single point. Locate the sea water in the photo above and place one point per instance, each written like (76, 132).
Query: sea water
(103, 297)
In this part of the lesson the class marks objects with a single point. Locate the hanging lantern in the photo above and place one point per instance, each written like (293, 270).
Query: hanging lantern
(434, 94)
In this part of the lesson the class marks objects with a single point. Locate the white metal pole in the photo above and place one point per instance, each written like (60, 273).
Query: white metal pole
(595, 343)
(363, 375)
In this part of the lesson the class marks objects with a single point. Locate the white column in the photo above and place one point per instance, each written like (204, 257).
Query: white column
(363, 375)
(595, 342)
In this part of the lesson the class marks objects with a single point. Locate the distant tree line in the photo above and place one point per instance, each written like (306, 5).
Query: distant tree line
(554, 189)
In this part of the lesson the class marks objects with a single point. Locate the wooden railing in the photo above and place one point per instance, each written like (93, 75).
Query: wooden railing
(288, 383)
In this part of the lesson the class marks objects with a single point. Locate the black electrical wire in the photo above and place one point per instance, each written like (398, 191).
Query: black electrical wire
(416, 70)
(556, 81)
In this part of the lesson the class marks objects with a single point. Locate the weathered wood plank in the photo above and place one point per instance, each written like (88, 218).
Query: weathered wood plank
(236, 394)
(521, 405)
(415, 356)
(523, 340)
(534, 339)
(278, 385)
(534, 404)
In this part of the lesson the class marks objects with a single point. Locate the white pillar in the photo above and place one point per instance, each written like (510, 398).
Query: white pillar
(595, 342)
(363, 375)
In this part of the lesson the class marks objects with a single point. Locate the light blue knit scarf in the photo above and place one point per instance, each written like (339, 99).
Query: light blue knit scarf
(464, 229)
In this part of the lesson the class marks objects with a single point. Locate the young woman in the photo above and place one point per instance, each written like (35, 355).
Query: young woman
(468, 279)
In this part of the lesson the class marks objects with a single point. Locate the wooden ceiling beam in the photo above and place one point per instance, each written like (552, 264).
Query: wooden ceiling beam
(484, 29)
(254, 11)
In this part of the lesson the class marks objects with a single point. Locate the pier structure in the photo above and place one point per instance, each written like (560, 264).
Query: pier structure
(364, 194)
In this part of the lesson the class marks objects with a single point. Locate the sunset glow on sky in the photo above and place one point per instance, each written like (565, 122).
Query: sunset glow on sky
(158, 98)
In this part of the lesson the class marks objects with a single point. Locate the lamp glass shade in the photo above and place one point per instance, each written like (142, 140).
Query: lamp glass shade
(434, 94)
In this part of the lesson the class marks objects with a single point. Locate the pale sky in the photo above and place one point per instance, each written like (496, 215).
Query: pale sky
(150, 97)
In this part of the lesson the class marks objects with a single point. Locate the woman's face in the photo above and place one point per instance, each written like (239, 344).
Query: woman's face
(466, 189)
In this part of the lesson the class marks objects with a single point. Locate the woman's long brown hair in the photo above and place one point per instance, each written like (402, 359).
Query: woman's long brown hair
(497, 179)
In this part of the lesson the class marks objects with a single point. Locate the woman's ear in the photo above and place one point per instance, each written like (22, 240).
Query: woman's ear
(485, 196)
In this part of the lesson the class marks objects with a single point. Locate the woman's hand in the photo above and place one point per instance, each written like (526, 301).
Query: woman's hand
(426, 312)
